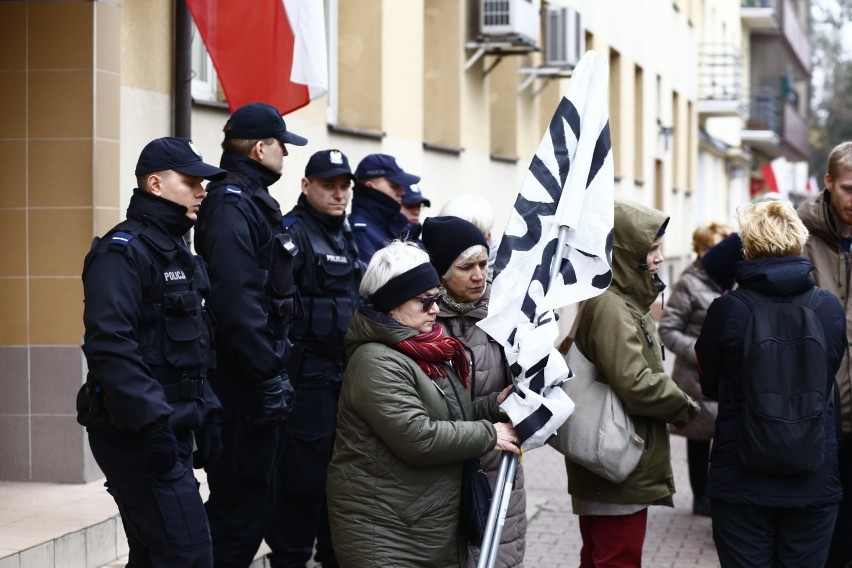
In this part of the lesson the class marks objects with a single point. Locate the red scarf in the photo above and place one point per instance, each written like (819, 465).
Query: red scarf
(431, 349)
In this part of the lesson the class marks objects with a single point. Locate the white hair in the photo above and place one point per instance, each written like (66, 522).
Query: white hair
(396, 258)
(472, 208)
(469, 252)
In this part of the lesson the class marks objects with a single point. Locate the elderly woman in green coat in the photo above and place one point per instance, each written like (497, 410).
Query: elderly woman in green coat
(405, 424)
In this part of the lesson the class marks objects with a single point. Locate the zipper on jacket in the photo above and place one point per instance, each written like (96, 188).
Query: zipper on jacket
(647, 335)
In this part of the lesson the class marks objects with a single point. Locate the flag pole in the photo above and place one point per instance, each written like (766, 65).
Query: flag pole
(497, 511)
(509, 461)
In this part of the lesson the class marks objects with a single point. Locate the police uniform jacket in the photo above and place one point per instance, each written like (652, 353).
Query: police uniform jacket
(720, 356)
(147, 339)
(394, 482)
(376, 220)
(327, 274)
(617, 332)
(252, 296)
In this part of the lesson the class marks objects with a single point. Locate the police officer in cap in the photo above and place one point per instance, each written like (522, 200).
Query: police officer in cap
(412, 203)
(327, 275)
(376, 217)
(253, 300)
(147, 344)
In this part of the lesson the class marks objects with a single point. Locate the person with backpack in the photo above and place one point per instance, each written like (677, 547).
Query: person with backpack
(768, 352)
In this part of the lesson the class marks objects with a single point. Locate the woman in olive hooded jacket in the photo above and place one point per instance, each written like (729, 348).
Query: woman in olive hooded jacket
(617, 332)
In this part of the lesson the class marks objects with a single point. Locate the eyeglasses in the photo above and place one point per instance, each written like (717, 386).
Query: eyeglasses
(428, 301)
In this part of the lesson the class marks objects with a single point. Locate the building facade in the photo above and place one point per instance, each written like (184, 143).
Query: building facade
(459, 98)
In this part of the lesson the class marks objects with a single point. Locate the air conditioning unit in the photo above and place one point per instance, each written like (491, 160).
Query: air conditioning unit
(566, 37)
(512, 18)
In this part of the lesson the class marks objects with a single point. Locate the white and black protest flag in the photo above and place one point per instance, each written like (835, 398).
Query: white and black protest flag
(569, 184)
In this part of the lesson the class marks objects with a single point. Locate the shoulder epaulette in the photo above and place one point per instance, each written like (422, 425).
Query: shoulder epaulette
(119, 240)
(233, 193)
(288, 222)
(359, 226)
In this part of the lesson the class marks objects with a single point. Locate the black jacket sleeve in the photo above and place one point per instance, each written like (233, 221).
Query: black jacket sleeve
(229, 244)
(113, 287)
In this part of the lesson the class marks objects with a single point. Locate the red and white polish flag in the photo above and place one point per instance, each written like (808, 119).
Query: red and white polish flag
(271, 51)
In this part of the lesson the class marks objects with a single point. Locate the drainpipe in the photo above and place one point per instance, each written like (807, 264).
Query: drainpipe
(183, 71)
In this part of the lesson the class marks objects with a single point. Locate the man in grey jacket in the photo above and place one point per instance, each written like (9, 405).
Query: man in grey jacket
(828, 217)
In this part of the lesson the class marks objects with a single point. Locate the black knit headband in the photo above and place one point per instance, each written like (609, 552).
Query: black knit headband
(405, 286)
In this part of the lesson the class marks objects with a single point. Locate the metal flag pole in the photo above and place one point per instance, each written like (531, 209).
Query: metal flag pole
(497, 511)
(509, 461)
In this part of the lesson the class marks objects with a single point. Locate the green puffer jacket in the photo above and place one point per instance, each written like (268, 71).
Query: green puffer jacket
(618, 333)
(395, 475)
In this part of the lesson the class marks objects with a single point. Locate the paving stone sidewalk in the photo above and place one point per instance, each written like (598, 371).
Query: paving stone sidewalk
(675, 537)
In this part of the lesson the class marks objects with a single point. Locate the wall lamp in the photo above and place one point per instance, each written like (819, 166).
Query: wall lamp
(666, 132)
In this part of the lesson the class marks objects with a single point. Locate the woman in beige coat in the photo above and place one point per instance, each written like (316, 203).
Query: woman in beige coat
(459, 253)
(679, 327)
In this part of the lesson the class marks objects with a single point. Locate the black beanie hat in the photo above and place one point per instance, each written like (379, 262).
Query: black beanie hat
(720, 261)
(445, 238)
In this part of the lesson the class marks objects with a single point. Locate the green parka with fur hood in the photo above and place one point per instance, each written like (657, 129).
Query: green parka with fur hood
(617, 332)
(395, 476)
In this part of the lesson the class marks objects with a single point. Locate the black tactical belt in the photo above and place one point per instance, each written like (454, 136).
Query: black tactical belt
(184, 389)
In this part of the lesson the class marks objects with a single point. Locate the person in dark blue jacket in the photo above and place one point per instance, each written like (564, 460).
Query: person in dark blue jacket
(147, 345)
(327, 275)
(253, 300)
(376, 217)
(767, 519)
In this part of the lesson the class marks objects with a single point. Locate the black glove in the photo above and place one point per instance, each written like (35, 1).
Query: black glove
(208, 440)
(161, 450)
(272, 400)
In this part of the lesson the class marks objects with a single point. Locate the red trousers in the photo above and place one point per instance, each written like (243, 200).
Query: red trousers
(612, 541)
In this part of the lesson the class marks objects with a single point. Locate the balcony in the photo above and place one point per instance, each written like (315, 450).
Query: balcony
(769, 20)
(759, 15)
(775, 127)
(720, 72)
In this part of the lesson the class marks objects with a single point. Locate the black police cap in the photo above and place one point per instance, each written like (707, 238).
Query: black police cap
(256, 121)
(178, 154)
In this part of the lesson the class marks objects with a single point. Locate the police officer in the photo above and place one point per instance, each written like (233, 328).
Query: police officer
(376, 218)
(147, 347)
(412, 204)
(253, 299)
(327, 276)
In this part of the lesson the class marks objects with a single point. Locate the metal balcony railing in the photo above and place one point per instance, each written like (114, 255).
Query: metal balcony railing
(764, 109)
(757, 3)
(720, 73)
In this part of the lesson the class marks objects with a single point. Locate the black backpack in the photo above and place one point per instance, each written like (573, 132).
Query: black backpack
(784, 398)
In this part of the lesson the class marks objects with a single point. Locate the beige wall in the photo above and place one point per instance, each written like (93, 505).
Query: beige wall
(59, 134)
(85, 84)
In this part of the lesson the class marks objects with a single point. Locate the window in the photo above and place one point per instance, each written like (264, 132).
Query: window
(638, 125)
(205, 84)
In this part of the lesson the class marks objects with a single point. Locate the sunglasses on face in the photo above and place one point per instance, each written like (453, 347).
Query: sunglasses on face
(428, 301)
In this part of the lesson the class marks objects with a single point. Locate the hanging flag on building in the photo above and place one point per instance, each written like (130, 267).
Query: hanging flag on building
(569, 184)
(812, 186)
(271, 51)
(770, 180)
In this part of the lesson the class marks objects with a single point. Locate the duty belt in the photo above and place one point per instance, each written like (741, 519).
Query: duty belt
(184, 389)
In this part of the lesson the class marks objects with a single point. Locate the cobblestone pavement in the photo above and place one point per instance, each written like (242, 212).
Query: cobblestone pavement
(675, 537)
